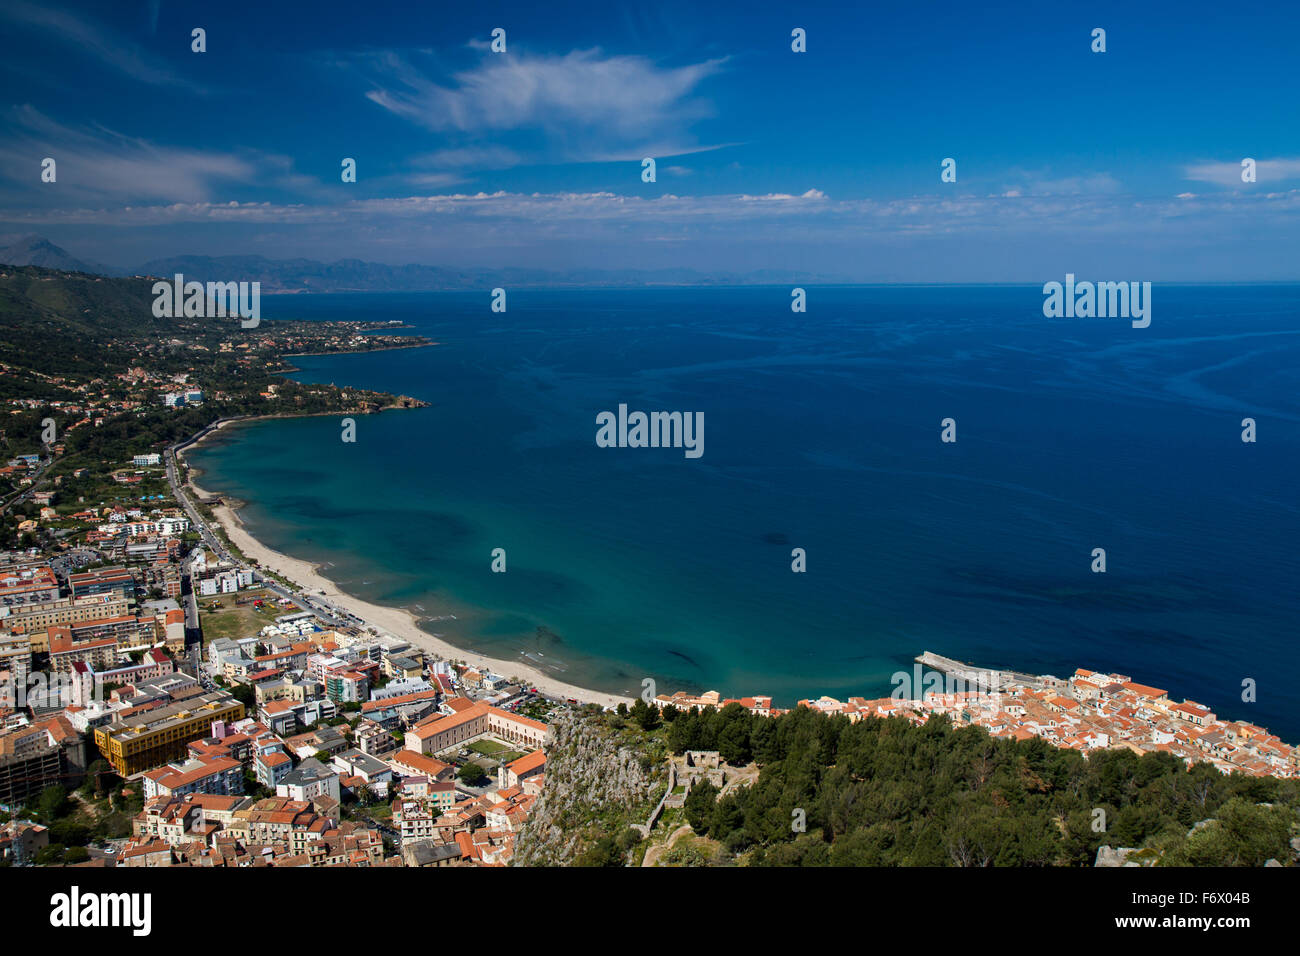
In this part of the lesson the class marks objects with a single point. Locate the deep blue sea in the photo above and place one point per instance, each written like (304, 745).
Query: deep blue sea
(822, 432)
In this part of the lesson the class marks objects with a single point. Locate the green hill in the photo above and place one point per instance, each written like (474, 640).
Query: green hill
(886, 792)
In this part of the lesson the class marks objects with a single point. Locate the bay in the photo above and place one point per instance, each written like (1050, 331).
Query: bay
(822, 433)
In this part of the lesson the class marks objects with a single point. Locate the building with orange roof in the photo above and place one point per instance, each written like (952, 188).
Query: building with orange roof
(443, 732)
(758, 705)
(412, 763)
(222, 776)
(1153, 695)
(517, 771)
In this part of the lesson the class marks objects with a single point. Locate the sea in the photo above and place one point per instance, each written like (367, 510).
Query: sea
(822, 432)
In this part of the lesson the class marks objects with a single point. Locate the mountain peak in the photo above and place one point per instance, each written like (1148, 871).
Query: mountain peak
(34, 250)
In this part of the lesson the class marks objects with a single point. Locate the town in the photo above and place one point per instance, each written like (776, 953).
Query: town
(279, 740)
(1086, 711)
(214, 715)
(166, 700)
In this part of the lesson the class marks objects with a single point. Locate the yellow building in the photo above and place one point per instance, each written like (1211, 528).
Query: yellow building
(152, 738)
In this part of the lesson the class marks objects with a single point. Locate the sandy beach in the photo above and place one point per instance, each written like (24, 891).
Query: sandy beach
(394, 621)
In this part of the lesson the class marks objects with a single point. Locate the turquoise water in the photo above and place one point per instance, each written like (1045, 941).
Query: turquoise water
(822, 432)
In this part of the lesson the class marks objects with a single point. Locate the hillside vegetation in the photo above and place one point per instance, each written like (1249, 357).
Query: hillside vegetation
(885, 792)
(69, 337)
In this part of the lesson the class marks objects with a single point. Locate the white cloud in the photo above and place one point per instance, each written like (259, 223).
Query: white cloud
(1229, 174)
(605, 214)
(99, 164)
(584, 106)
(784, 197)
(868, 239)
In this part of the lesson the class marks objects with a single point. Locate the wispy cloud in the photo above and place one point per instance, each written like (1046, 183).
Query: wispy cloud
(1229, 173)
(584, 106)
(773, 216)
(1042, 182)
(85, 36)
(479, 157)
(918, 239)
(100, 165)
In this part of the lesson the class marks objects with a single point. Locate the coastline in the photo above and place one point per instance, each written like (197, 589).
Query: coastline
(385, 348)
(395, 621)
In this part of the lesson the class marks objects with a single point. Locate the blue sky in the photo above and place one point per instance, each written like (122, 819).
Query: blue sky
(1123, 164)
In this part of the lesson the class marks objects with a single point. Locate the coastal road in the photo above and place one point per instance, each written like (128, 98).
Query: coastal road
(196, 521)
(190, 599)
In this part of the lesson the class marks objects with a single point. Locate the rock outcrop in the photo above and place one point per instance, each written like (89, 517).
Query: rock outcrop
(594, 787)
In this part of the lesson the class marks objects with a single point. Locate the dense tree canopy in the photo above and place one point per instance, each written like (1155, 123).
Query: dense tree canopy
(885, 792)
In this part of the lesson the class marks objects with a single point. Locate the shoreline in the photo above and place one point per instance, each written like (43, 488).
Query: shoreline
(386, 348)
(402, 623)
(395, 621)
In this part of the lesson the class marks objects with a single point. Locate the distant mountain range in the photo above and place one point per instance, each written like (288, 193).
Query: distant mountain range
(354, 275)
(38, 251)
